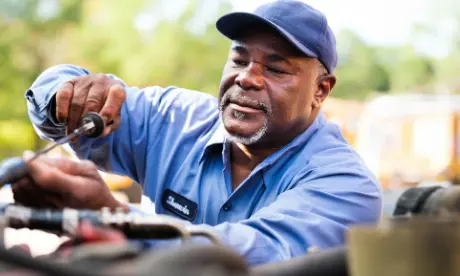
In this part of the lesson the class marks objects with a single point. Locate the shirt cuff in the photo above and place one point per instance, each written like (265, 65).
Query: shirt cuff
(51, 111)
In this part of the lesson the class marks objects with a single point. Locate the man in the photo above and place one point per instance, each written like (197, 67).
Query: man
(261, 165)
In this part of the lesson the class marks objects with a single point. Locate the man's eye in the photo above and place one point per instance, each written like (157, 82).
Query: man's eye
(275, 70)
(240, 62)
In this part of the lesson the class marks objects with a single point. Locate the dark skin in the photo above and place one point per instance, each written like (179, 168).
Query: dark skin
(266, 68)
(266, 80)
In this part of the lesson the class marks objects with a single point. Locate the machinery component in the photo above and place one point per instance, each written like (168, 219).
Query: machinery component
(330, 262)
(133, 225)
(418, 245)
(13, 169)
(428, 201)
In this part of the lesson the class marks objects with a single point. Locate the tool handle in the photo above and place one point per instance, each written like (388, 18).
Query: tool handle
(99, 124)
(12, 170)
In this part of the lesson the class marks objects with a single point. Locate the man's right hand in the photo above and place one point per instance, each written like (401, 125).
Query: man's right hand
(91, 93)
(58, 182)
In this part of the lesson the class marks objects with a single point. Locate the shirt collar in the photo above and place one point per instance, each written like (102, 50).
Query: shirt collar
(219, 137)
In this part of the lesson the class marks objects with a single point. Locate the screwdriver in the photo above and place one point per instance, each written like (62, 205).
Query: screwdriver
(15, 168)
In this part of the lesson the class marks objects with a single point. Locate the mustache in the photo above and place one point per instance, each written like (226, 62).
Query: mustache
(238, 97)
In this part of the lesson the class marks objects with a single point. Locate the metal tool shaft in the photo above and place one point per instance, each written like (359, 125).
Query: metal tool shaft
(14, 169)
(64, 140)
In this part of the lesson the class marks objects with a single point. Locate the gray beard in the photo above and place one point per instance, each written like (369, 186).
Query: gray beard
(253, 139)
(257, 136)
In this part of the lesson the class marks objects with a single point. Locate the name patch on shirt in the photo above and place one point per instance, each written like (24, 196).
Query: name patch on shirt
(179, 205)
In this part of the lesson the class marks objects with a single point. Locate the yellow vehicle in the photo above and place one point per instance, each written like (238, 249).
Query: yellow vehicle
(344, 113)
(411, 138)
(124, 187)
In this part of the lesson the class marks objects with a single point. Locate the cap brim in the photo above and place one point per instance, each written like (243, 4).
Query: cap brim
(233, 24)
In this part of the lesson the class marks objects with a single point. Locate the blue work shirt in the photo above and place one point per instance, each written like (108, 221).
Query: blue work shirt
(172, 142)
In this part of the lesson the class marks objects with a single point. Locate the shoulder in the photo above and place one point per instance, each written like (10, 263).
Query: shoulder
(328, 148)
(330, 157)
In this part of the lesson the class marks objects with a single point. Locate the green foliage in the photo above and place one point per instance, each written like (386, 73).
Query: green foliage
(168, 55)
(15, 137)
(358, 72)
(29, 43)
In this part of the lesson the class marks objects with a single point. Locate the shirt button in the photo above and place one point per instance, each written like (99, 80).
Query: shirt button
(227, 207)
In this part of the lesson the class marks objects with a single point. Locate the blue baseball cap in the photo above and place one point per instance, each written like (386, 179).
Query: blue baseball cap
(302, 25)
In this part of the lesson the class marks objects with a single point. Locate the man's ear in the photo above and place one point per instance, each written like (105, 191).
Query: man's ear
(325, 84)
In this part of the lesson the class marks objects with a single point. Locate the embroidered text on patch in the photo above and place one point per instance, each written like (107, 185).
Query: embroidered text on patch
(177, 206)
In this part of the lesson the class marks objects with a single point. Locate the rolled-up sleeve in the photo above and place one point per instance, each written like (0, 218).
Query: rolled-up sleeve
(151, 118)
(316, 212)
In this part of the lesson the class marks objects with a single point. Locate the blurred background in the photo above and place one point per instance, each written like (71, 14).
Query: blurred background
(397, 98)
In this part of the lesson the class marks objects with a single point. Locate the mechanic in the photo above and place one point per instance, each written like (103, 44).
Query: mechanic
(260, 165)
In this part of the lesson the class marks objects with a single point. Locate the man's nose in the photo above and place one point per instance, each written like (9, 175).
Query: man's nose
(251, 77)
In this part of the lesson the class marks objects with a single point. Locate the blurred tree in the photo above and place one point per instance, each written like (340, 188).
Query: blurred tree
(449, 67)
(144, 43)
(441, 31)
(408, 71)
(30, 33)
(168, 53)
(103, 36)
(358, 73)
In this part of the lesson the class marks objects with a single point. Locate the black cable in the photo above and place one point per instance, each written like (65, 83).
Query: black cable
(329, 262)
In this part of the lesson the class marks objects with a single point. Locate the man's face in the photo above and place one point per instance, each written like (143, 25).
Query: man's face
(268, 91)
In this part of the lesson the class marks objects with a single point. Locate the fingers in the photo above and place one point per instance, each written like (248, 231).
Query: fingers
(95, 98)
(18, 195)
(76, 106)
(26, 193)
(48, 177)
(86, 168)
(64, 164)
(68, 166)
(91, 93)
(115, 124)
(115, 99)
(63, 99)
(76, 183)
(61, 182)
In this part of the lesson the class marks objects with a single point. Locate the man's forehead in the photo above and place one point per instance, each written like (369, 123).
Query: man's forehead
(267, 40)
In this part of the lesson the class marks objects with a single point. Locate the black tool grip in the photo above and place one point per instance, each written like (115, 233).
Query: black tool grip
(99, 124)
